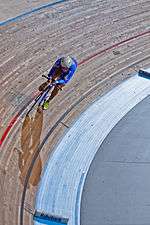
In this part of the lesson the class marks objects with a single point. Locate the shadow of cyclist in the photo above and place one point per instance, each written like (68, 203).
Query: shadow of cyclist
(30, 140)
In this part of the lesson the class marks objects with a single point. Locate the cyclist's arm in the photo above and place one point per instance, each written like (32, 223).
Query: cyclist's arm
(53, 69)
(67, 78)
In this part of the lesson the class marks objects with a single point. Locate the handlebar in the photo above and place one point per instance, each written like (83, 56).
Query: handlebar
(45, 77)
(52, 84)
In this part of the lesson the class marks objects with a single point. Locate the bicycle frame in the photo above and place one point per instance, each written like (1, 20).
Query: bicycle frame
(45, 94)
(41, 97)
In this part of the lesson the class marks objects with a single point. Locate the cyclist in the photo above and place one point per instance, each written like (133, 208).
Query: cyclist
(60, 74)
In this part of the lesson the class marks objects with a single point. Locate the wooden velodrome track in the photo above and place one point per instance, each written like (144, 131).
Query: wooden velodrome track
(110, 40)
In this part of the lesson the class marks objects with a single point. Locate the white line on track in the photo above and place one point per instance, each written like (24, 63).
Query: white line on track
(7, 61)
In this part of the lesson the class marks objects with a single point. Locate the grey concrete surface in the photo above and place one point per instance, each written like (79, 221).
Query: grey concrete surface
(117, 187)
(63, 178)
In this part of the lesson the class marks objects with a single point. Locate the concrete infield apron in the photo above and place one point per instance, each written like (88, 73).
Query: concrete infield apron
(64, 175)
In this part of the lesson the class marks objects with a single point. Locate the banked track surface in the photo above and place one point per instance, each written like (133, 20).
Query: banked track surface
(28, 48)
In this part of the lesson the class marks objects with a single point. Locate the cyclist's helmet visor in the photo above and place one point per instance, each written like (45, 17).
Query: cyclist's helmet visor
(66, 63)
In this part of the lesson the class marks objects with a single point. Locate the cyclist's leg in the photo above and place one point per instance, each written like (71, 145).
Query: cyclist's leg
(55, 76)
(43, 86)
(57, 88)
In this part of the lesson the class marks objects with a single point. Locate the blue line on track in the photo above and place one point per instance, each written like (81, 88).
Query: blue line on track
(31, 12)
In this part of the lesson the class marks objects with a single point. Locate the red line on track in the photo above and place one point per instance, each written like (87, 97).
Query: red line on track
(113, 46)
(14, 119)
(10, 125)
